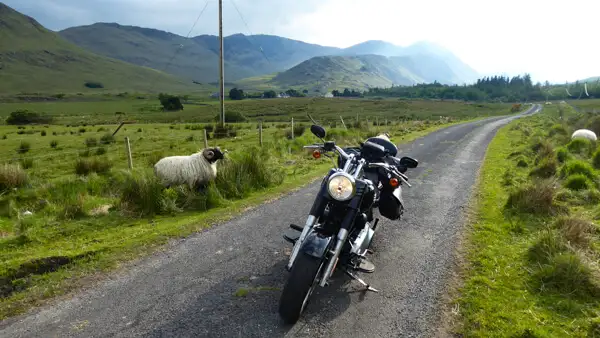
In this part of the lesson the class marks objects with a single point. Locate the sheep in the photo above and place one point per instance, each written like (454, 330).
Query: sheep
(384, 136)
(584, 133)
(195, 170)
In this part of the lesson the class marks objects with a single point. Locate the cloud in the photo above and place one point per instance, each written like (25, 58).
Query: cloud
(549, 39)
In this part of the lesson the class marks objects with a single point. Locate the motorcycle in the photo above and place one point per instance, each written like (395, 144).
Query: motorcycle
(341, 225)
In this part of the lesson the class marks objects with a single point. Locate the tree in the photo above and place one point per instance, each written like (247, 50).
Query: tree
(170, 102)
(335, 93)
(236, 94)
(305, 91)
(269, 94)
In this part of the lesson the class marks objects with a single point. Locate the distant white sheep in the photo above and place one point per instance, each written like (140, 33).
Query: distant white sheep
(195, 170)
(384, 136)
(584, 133)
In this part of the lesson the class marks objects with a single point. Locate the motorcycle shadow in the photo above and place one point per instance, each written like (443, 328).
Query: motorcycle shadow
(245, 305)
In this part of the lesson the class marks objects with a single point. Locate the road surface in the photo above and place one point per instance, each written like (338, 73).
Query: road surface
(226, 281)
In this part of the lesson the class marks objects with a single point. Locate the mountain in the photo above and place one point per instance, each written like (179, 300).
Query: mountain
(247, 55)
(427, 54)
(34, 59)
(324, 73)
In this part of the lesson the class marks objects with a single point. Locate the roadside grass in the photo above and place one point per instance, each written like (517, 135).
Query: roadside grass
(531, 267)
(90, 214)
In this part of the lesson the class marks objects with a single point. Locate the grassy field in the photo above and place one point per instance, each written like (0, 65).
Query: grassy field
(89, 212)
(533, 249)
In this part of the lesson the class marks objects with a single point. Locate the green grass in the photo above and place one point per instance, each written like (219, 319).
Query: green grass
(530, 274)
(34, 59)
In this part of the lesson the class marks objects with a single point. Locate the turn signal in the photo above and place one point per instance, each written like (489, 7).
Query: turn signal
(394, 182)
(316, 154)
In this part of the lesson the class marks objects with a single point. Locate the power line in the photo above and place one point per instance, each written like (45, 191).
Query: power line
(248, 28)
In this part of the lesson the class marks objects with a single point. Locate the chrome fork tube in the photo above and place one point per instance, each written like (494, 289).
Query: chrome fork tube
(341, 239)
(310, 222)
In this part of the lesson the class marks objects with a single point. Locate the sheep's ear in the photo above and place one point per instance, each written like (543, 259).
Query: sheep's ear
(209, 154)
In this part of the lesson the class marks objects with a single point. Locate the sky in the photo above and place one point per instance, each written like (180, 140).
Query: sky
(548, 39)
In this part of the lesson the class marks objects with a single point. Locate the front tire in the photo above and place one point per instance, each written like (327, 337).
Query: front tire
(301, 283)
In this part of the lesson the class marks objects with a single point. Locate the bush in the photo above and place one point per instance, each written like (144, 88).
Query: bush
(575, 230)
(100, 151)
(21, 117)
(298, 131)
(12, 176)
(43, 133)
(170, 102)
(73, 208)
(535, 198)
(549, 244)
(578, 167)
(596, 159)
(85, 167)
(93, 85)
(26, 163)
(82, 130)
(139, 130)
(546, 169)
(558, 129)
(566, 273)
(143, 194)
(543, 149)
(23, 147)
(562, 155)
(107, 139)
(522, 162)
(53, 144)
(190, 138)
(578, 182)
(91, 142)
(579, 146)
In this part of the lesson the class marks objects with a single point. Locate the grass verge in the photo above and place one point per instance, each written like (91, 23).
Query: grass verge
(531, 254)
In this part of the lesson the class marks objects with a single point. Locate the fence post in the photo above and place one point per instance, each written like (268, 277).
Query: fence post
(292, 128)
(128, 148)
(341, 118)
(260, 139)
(205, 139)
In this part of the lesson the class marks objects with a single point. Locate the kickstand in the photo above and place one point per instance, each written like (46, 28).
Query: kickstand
(356, 278)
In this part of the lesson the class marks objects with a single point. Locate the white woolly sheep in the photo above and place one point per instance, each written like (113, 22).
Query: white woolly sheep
(584, 133)
(384, 136)
(195, 170)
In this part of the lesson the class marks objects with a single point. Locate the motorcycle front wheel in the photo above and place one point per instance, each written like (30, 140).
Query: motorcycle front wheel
(301, 283)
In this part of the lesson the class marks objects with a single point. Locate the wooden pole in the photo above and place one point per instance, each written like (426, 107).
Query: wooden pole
(260, 139)
(221, 65)
(292, 128)
(205, 139)
(128, 148)
(341, 118)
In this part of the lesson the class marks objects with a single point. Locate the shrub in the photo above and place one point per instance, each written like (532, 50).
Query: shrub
(522, 162)
(298, 131)
(23, 147)
(543, 149)
(558, 129)
(170, 102)
(577, 182)
(575, 230)
(43, 133)
(82, 130)
(536, 198)
(562, 155)
(190, 138)
(85, 167)
(546, 169)
(91, 142)
(142, 194)
(26, 163)
(21, 117)
(578, 167)
(53, 144)
(100, 151)
(93, 85)
(579, 146)
(107, 139)
(549, 244)
(566, 273)
(139, 130)
(12, 176)
(73, 208)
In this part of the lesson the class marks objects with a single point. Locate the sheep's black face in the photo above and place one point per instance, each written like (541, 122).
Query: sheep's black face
(213, 154)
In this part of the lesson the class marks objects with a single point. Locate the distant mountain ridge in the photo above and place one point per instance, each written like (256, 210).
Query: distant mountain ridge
(247, 55)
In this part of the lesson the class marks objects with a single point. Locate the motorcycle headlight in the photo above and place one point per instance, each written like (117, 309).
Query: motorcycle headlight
(341, 186)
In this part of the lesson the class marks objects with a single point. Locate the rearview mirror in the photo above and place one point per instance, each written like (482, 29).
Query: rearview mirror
(318, 131)
(409, 162)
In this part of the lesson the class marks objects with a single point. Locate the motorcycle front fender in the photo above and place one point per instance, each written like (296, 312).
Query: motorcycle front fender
(316, 245)
(397, 193)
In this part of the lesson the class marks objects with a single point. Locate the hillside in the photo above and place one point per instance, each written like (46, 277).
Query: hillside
(34, 59)
(338, 72)
(248, 56)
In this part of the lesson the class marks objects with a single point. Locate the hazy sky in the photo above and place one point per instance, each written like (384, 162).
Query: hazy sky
(551, 40)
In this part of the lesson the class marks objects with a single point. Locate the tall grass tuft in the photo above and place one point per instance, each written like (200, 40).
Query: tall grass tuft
(95, 165)
(12, 176)
(535, 198)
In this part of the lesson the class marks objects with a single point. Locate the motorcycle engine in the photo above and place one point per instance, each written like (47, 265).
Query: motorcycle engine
(363, 240)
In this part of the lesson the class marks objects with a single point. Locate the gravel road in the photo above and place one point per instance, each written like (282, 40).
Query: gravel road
(226, 281)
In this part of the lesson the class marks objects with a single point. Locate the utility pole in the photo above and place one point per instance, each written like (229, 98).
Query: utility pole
(221, 65)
